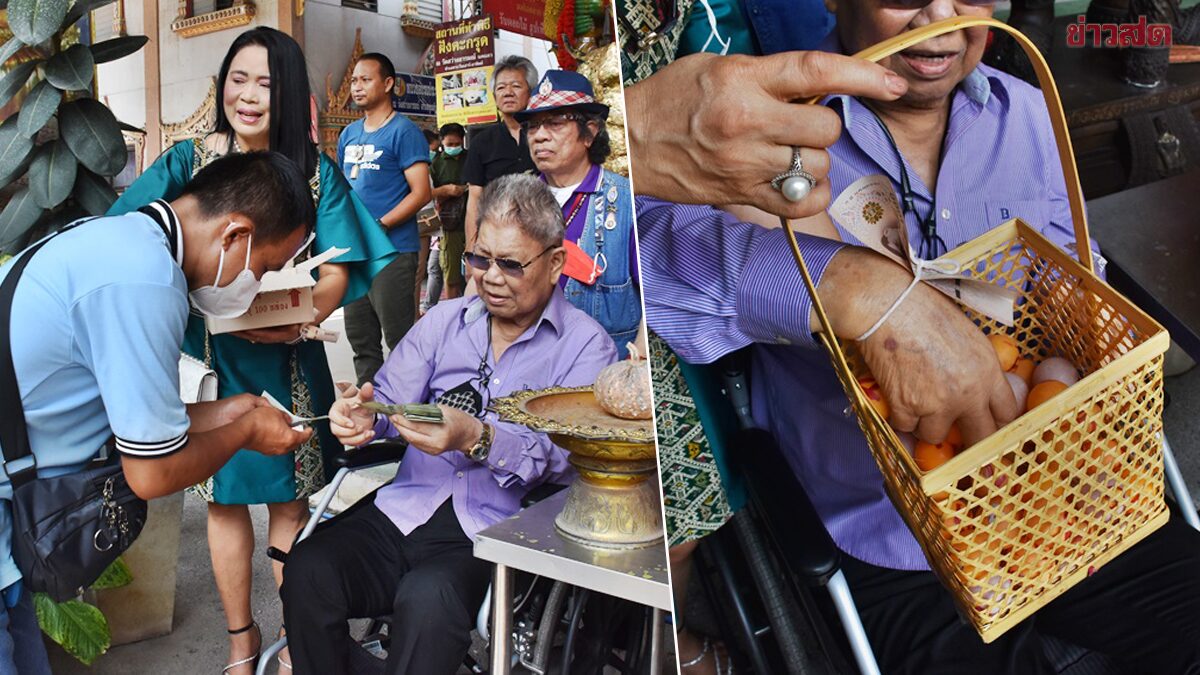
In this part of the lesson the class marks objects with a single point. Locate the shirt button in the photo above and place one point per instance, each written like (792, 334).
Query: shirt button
(945, 214)
(496, 381)
(501, 462)
(459, 474)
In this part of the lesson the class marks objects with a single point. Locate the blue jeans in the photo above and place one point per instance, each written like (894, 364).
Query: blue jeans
(22, 651)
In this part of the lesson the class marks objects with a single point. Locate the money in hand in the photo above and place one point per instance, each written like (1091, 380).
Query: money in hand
(417, 412)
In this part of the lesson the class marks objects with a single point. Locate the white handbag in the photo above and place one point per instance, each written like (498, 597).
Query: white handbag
(197, 382)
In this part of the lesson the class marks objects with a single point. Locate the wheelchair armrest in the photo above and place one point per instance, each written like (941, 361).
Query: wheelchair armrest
(379, 452)
(784, 509)
(541, 492)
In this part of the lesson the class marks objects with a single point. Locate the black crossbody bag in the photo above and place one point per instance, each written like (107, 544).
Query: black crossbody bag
(67, 529)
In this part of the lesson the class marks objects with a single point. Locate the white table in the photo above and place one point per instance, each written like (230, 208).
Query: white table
(529, 542)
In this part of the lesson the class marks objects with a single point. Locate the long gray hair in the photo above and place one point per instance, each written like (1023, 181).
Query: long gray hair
(527, 202)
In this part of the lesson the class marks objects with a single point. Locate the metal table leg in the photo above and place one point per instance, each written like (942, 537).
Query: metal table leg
(656, 642)
(1178, 486)
(502, 617)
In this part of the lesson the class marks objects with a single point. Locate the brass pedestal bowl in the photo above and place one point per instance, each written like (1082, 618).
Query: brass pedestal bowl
(615, 503)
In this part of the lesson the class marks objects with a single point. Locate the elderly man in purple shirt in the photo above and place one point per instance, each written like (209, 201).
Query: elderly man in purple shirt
(976, 147)
(409, 553)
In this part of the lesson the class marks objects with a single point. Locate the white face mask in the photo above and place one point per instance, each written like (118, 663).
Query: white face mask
(232, 301)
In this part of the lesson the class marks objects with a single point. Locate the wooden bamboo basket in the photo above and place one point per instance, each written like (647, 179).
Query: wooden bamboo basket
(1019, 518)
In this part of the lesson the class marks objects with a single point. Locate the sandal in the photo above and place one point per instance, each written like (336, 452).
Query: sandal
(279, 657)
(716, 653)
(252, 660)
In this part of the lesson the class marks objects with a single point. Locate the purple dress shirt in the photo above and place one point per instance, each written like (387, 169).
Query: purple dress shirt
(715, 285)
(565, 347)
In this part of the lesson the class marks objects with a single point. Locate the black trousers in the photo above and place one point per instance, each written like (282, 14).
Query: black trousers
(360, 565)
(1142, 610)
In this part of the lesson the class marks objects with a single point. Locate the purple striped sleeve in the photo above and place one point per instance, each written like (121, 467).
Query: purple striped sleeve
(715, 284)
(773, 305)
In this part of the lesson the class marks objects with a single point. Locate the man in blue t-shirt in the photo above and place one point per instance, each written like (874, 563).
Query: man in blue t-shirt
(386, 159)
(97, 320)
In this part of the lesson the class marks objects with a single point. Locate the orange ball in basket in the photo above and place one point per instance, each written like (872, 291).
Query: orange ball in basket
(930, 456)
(954, 438)
(1023, 369)
(1006, 349)
(1043, 392)
(875, 395)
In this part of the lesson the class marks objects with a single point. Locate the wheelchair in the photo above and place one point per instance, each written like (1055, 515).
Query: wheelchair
(557, 628)
(771, 575)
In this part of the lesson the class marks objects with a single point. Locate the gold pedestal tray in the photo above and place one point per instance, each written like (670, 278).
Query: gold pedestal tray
(616, 501)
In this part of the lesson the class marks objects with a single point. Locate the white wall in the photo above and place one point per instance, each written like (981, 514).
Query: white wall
(123, 82)
(187, 64)
(329, 37)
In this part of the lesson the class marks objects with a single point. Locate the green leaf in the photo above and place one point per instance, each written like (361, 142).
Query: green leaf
(117, 48)
(11, 47)
(16, 218)
(78, 627)
(71, 70)
(38, 108)
(15, 149)
(14, 80)
(80, 8)
(95, 195)
(34, 21)
(116, 575)
(92, 133)
(52, 174)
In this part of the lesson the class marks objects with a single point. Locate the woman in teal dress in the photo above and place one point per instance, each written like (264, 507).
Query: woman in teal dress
(265, 105)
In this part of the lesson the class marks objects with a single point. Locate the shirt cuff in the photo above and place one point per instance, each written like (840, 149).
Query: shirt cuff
(506, 455)
(773, 304)
(153, 449)
(384, 428)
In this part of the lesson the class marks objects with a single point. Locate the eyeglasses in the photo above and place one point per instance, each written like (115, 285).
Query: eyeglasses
(554, 123)
(507, 265)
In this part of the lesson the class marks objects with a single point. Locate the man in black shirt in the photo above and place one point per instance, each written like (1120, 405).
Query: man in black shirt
(500, 149)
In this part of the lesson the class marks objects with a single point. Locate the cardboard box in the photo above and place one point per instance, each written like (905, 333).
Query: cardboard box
(285, 298)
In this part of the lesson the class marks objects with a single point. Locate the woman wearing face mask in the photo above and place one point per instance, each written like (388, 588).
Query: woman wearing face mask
(265, 105)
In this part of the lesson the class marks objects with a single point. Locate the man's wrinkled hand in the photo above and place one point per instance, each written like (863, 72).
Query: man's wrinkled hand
(935, 368)
(731, 125)
(458, 431)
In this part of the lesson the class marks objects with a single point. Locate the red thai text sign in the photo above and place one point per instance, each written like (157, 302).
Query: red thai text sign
(1140, 34)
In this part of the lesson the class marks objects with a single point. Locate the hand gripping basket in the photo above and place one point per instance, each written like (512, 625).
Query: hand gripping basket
(1019, 518)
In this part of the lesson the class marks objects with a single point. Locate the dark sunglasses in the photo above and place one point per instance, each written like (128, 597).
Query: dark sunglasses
(507, 265)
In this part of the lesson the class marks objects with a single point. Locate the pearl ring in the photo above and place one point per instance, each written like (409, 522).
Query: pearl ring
(795, 183)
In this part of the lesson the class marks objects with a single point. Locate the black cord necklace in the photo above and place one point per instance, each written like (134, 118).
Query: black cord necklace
(931, 246)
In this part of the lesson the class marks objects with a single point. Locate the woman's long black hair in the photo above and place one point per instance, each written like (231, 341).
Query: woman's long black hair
(291, 116)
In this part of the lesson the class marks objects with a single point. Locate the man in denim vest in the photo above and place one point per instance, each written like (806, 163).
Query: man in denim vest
(568, 141)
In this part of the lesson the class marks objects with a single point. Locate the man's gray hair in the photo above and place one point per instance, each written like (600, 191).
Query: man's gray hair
(514, 62)
(527, 202)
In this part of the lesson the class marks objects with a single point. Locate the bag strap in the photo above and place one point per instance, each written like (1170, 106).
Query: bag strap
(14, 433)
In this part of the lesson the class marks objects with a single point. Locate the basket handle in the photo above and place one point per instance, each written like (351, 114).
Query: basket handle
(1058, 122)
